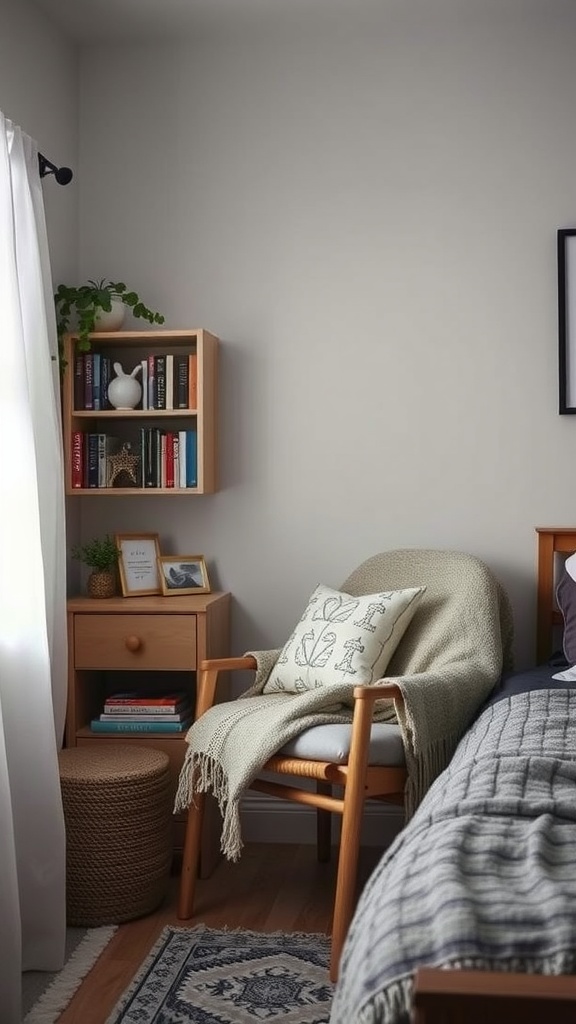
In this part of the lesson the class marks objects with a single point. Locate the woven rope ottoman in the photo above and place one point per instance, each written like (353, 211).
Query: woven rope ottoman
(118, 813)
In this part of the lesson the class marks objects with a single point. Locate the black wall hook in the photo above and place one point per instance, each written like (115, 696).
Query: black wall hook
(63, 175)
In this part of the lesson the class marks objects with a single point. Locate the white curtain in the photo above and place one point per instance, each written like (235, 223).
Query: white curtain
(33, 648)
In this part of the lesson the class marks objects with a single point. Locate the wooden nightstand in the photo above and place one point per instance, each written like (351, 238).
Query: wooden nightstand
(125, 643)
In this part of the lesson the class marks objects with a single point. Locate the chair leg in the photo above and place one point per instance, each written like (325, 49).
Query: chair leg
(323, 825)
(354, 796)
(191, 857)
(345, 898)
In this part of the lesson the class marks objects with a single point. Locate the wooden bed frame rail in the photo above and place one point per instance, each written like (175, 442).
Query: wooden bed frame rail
(493, 997)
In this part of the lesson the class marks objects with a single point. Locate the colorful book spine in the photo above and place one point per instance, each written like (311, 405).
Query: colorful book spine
(176, 453)
(148, 457)
(160, 372)
(144, 364)
(191, 459)
(88, 381)
(193, 380)
(78, 381)
(181, 379)
(77, 459)
(142, 716)
(157, 456)
(164, 727)
(105, 378)
(169, 381)
(182, 457)
(102, 460)
(169, 482)
(96, 382)
(151, 383)
(163, 458)
(140, 700)
(92, 461)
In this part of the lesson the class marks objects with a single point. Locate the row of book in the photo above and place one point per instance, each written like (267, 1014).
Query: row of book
(169, 381)
(161, 458)
(138, 712)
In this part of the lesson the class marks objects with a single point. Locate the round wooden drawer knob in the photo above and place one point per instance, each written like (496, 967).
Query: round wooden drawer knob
(133, 643)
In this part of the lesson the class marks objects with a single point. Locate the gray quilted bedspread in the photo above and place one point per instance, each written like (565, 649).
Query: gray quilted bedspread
(484, 875)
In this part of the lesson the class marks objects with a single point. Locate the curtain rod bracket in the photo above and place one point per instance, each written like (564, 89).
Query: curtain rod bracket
(63, 175)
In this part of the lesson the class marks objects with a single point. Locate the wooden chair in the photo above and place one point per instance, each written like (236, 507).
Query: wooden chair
(447, 577)
(357, 779)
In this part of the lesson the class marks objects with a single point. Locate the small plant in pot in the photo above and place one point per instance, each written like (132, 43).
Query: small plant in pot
(101, 556)
(91, 305)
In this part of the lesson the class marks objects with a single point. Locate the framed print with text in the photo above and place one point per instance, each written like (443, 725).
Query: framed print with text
(183, 574)
(138, 555)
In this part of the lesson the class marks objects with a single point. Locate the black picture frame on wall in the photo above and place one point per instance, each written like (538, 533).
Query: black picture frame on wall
(567, 319)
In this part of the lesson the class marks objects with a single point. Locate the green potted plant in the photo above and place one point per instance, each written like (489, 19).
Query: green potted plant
(100, 555)
(90, 303)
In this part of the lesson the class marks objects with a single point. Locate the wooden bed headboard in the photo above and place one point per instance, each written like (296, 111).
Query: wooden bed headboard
(552, 541)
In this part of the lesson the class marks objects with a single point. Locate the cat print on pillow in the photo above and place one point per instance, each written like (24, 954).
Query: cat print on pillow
(343, 639)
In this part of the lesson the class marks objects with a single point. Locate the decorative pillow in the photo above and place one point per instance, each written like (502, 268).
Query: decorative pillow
(343, 639)
(566, 597)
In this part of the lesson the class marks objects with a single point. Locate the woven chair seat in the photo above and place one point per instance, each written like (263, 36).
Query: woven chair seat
(117, 804)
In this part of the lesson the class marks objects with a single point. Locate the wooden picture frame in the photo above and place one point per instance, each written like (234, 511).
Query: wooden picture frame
(567, 319)
(183, 574)
(138, 555)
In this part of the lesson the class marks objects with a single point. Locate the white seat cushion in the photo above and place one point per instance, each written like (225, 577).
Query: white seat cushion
(332, 743)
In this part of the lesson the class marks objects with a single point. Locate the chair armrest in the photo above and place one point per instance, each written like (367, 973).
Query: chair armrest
(227, 664)
(208, 678)
(379, 692)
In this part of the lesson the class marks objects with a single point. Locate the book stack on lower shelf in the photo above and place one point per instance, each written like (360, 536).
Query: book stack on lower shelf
(148, 713)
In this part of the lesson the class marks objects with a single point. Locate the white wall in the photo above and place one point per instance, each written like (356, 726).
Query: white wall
(365, 211)
(39, 91)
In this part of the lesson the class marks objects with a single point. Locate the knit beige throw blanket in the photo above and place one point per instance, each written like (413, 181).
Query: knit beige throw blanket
(448, 661)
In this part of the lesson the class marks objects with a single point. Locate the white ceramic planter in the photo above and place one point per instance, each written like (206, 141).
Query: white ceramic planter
(113, 320)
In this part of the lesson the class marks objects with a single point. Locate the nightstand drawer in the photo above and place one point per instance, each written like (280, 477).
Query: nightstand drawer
(129, 642)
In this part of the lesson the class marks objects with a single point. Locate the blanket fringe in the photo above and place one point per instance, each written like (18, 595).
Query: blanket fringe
(424, 769)
(202, 773)
(388, 1007)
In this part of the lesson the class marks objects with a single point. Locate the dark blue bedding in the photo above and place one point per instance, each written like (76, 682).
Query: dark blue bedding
(539, 678)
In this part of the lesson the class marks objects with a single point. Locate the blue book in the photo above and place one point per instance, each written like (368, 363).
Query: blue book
(191, 459)
(96, 725)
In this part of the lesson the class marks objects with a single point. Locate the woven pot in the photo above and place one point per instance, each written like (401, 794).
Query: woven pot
(102, 584)
(117, 802)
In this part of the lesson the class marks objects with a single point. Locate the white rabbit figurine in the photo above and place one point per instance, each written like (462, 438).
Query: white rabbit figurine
(124, 391)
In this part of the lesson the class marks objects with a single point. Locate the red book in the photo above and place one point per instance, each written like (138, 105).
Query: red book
(152, 700)
(77, 460)
(169, 459)
(151, 383)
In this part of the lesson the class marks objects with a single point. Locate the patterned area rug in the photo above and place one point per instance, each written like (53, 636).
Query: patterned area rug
(204, 976)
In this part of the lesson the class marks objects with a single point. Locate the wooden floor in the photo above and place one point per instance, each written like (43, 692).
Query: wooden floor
(273, 887)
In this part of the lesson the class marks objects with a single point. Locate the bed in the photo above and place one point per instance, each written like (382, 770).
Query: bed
(471, 914)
